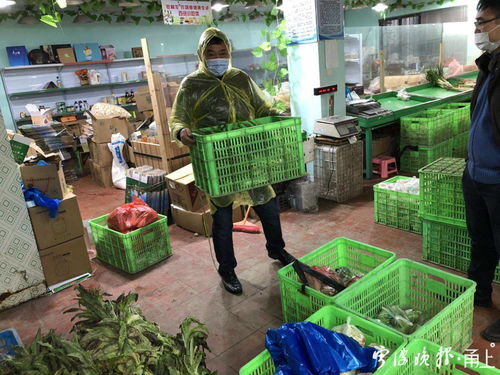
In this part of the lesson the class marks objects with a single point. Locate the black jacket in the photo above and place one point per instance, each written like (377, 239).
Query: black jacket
(489, 64)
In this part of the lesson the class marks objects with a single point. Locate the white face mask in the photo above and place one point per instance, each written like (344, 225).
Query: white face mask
(217, 66)
(484, 43)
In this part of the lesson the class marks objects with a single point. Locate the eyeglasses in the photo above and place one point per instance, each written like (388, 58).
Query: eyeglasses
(480, 23)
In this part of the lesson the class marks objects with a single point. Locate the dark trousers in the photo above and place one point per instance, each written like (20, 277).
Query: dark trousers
(482, 205)
(222, 232)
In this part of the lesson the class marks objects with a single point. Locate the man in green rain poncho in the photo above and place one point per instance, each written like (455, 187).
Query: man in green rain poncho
(218, 94)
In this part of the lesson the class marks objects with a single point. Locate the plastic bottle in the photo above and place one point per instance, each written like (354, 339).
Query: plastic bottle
(113, 99)
(132, 96)
(59, 82)
(75, 107)
(85, 105)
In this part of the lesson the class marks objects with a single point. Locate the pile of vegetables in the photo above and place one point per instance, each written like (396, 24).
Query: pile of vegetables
(405, 321)
(435, 76)
(344, 276)
(112, 337)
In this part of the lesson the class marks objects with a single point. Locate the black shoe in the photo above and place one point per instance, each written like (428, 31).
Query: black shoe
(284, 257)
(492, 333)
(482, 299)
(231, 282)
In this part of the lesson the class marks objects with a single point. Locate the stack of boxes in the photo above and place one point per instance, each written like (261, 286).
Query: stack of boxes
(60, 240)
(442, 207)
(433, 134)
(190, 205)
(101, 156)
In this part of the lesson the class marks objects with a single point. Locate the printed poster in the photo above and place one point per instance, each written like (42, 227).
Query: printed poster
(187, 12)
(300, 17)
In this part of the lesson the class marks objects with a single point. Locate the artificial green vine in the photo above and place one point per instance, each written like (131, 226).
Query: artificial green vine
(49, 12)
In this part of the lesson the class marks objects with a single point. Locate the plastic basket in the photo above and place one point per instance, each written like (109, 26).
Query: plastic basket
(441, 196)
(341, 252)
(330, 317)
(409, 360)
(412, 161)
(460, 143)
(449, 246)
(461, 113)
(448, 300)
(134, 251)
(427, 128)
(397, 209)
(239, 157)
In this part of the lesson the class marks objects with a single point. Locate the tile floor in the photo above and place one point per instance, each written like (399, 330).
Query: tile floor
(187, 283)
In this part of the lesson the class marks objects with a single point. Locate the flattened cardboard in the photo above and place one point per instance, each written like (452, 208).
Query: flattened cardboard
(182, 190)
(66, 226)
(65, 261)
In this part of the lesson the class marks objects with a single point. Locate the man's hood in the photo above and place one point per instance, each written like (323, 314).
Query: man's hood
(205, 38)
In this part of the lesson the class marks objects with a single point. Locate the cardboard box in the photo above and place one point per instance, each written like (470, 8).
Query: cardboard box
(146, 148)
(67, 225)
(100, 154)
(65, 261)
(104, 128)
(49, 179)
(182, 190)
(85, 52)
(197, 222)
(143, 99)
(102, 175)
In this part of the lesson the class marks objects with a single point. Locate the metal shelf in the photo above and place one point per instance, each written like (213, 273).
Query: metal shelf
(73, 89)
(45, 66)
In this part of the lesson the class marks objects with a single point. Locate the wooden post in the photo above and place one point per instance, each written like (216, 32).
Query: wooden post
(173, 157)
(382, 71)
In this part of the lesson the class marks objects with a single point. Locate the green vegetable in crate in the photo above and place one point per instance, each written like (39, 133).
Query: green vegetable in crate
(406, 321)
(348, 275)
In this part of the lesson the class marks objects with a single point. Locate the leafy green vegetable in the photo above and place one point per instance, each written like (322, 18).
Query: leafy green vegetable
(436, 78)
(113, 338)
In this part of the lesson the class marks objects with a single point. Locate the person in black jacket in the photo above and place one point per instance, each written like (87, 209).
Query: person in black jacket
(481, 179)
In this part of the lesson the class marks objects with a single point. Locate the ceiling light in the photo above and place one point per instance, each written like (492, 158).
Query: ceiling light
(380, 7)
(6, 3)
(218, 7)
(28, 20)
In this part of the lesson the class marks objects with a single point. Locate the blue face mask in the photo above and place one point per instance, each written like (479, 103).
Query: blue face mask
(217, 66)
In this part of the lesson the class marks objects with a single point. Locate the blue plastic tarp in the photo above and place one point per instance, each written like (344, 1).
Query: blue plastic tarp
(307, 349)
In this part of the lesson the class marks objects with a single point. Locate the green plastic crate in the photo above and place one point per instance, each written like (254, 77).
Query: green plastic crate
(341, 252)
(449, 246)
(397, 209)
(243, 156)
(426, 129)
(441, 196)
(408, 360)
(460, 143)
(330, 317)
(131, 252)
(462, 114)
(412, 161)
(447, 299)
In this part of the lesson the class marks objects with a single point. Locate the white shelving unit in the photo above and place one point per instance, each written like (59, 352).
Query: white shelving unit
(353, 47)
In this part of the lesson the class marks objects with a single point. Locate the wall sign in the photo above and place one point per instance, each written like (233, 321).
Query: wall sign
(187, 12)
(311, 20)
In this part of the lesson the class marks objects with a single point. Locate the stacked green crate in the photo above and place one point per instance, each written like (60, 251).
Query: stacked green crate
(459, 127)
(429, 136)
(397, 209)
(442, 207)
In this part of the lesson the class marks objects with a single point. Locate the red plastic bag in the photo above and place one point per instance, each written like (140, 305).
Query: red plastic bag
(131, 216)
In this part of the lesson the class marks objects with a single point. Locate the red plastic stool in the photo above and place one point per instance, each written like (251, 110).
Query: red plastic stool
(384, 166)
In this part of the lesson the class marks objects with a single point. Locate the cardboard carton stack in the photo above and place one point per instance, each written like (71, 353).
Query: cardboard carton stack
(101, 157)
(190, 205)
(60, 240)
